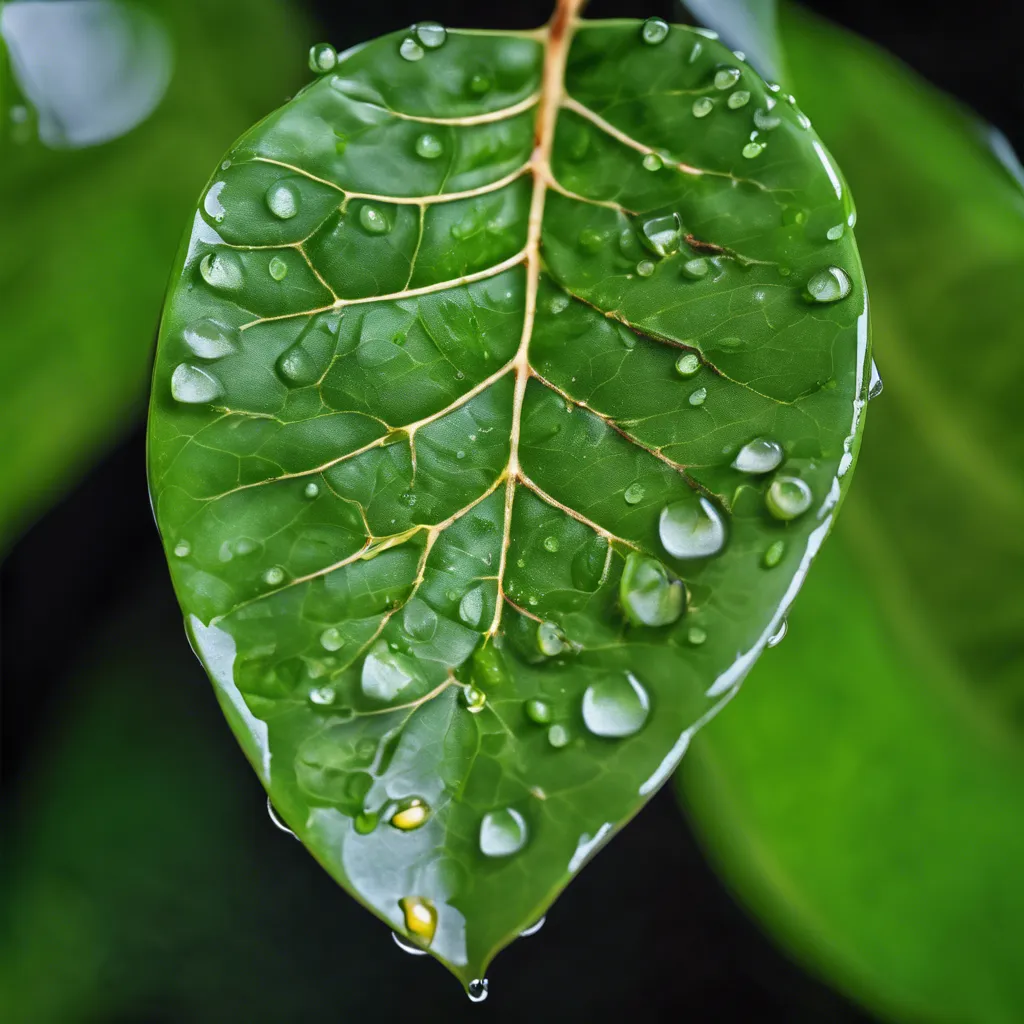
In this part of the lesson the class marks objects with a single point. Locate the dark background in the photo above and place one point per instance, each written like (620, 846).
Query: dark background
(646, 931)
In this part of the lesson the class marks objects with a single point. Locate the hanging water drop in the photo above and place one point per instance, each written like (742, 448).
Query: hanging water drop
(373, 220)
(477, 990)
(702, 106)
(773, 554)
(283, 200)
(222, 271)
(322, 58)
(410, 49)
(648, 596)
(277, 268)
(691, 529)
(788, 497)
(194, 386)
(616, 707)
(420, 917)
(406, 946)
(875, 387)
(502, 833)
(429, 147)
(828, 285)
(411, 814)
(431, 34)
(210, 339)
(779, 635)
(654, 31)
(633, 494)
(726, 78)
(296, 366)
(687, 364)
(761, 455)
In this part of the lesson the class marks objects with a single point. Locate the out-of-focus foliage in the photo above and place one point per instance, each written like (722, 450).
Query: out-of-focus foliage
(867, 795)
(88, 235)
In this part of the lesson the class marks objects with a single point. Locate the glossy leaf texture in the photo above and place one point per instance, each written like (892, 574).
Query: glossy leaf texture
(501, 402)
(866, 797)
(90, 228)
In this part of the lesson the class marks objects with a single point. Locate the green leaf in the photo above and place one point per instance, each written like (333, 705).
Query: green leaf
(867, 795)
(462, 349)
(89, 234)
(750, 26)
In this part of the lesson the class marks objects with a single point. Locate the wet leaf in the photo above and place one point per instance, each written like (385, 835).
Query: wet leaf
(866, 796)
(463, 345)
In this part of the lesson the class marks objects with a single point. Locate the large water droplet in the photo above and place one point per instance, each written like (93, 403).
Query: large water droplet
(779, 635)
(875, 387)
(687, 364)
(222, 271)
(322, 58)
(616, 707)
(702, 106)
(664, 234)
(373, 221)
(410, 814)
(296, 366)
(828, 285)
(691, 529)
(654, 31)
(477, 990)
(210, 339)
(406, 946)
(788, 497)
(283, 200)
(502, 832)
(726, 78)
(410, 49)
(420, 918)
(429, 146)
(761, 455)
(383, 676)
(194, 386)
(431, 34)
(648, 596)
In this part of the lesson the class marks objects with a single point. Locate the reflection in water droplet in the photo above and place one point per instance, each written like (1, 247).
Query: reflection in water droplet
(410, 49)
(788, 497)
(616, 707)
(687, 364)
(645, 268)
(875, 387)
(278, 268)
(737, 99)
(550, 639)
(474, 698)
(653, 162)
(533, 929)
(648, 596)
(406, 946)
(322, 58)
(502, 832)
(410, 815)
(828, 285)
(697, 397)
(538, 711)
(726, 78)
(752, 149)
(222, 270)
(634, 493)
(322, 695)
(429, 146)
(182, 549)
(373, 220)
(761, 455)
(276, 819)
(311, 490)
(664, 234)
(551, 544)
(696, 635)
(431, 34)
(477, 990)
(210, 339)
(773, 554)
(558, 736)
(194, 386)
(420, 917)
(702, 106)
(691, 529)
(779, 635)
(331, 639)
(654, 31)
(283, 200)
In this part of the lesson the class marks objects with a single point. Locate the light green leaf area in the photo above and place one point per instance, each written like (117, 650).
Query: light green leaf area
(89, 234)
(866, 796)
(501, 402)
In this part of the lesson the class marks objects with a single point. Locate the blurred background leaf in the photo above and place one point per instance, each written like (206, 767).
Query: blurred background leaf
(88, 234)
(865, 795)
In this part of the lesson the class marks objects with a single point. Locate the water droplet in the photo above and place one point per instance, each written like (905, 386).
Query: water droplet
(373, 220)
(474, 698)
(311, 490)
(558, 304)
(691, 529)
(695, 269)
(278, 268)
(477, 990)
(645, 268)
(331, 639)
(828, 285)
(480, 84)
(779, 635)
(765, 121)
(703, 106)
(696, 635)
(212, 204)
(431, 34)
(406, 946)
(788, 497)
(429, 146)
(277, 821)
(634, 493)
(875, 387)
(835, 232)
(687, 364)
(182, 549)
(761, 455)
(502, 833)
(194, 386)
(322, 58)
(283, 200)
(538, 711)
(296, 366)
(697, 397)
(773, 555)
(533, 929)
(558, 736)
(471, 607)
(737, 99)
(550, 639)
(648, 596)
(726, 78)
(654, 31)
(322, 695)
(274, 576)
(222, 270)
(653, 162)
(420, 917)
(695, 52)
(411, 814)
(664, 233)
(419, 620)
(616, 707)
(752, 149)
(551, 544)
(210, 339)
(410, 49)
(383, 676)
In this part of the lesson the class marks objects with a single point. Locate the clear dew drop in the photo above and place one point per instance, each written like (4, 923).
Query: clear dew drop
(664, 234)
(502, 832)
(222, 270)
(558, 736)
(212, 204)
(384, 676)
(702, 106)
(406, 946)
(533, 929)
(697, 397)
(691, 529)
(726, 78)
(765, 121)
(194, 386)
(687, 364)
(373, 221)
(322, 696)
(274, 576)
(182, 549)
(876, 386)
(429, 146)
(474, 698)
(779, 635)
(311, 490)
(550, 639)
(477, 990)
(696, 636)
(479, 84)
(551, 544)
(788, 497)
(277, 268)
(471, 607)
(737, 99)
(558, 304)
(420, 918)
(653, 162)
(773, 554)
(410, 49)
(410, 814)
(322, 58)
(835, 232)
(431, 34)
(296, 366)
(645, 268)
(633, 494)
(616, 707)
(647, 595)
(654, 31)
(538, 711)
(331, 639)
(210, 339)
(761, 455)
(752, 149)
(283, 200)
(828, 285)
(695, 269)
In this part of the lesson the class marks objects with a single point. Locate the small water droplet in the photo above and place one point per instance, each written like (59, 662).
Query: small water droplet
(210, 339)
(691, 529)
(558, 736)
(616, 707)
(502, 832)
(726, 78)
(550, 639)
(283, 200)
(664, 234)
(752, 149)
(431, 34)
(474, 698)
(322, 58)
(410, 49)
(766, 122)
(420, 917)
(410, 814)
(274, 576)
(551, 544)
(773, 554)
(592, 240)
(697, 397)
(703, 106)
(477, 990)
(222, 271)
(654, 31)
(737, 99)
(779, 635)
(634, 493)
(373, 220)
(788, 497)
(835, 232)
(653, 162)
(322, 695)
(480, 84)
(471, 607)
(876, 386)
(533, 929)
(331, 639)
(538, 711)
(311, 490)
(429, 146)
(278, 268)
(194, 386)
(182, 549)
(406, 946)
(645, 268)
(558, 304)
(687, 364)
(695, 269)
(761, 455)
(828, 285)
(648, 596)
(696, 635)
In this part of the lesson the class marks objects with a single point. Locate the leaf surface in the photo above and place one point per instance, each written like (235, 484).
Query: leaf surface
(463, 346)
